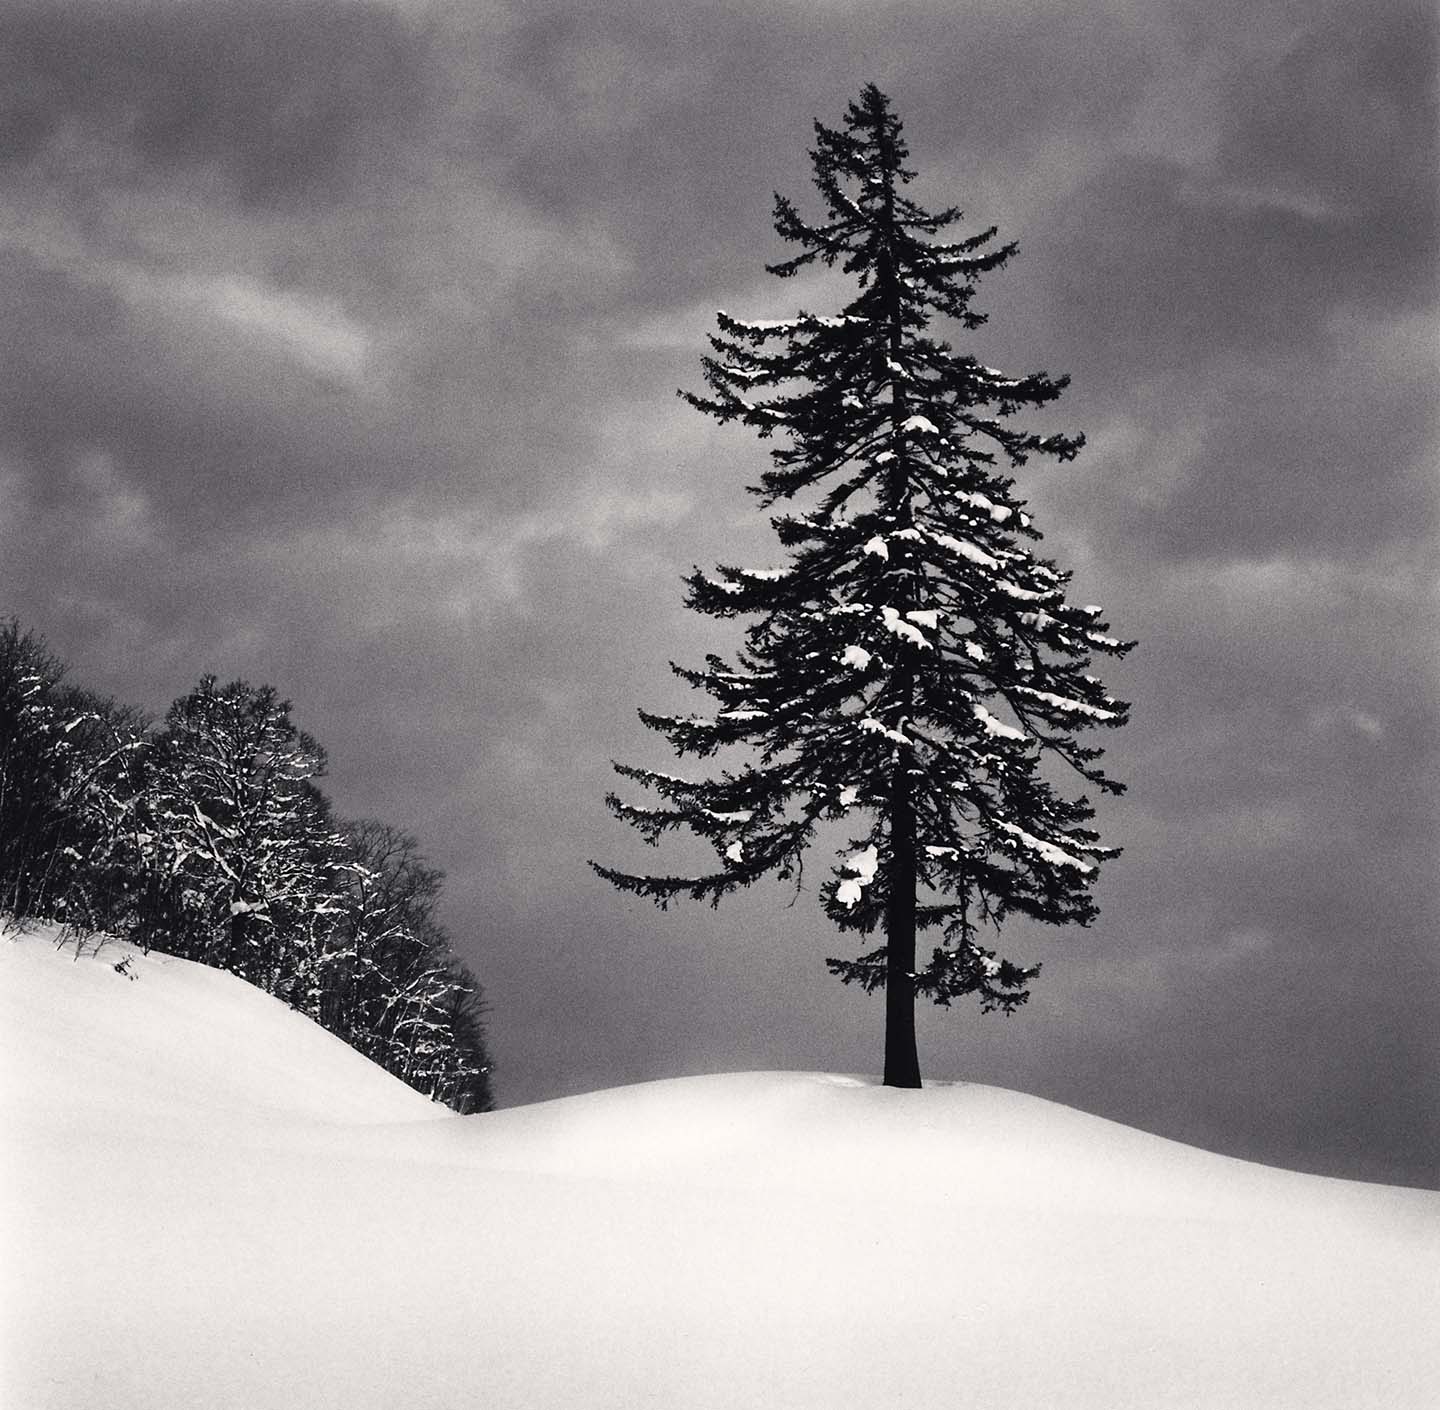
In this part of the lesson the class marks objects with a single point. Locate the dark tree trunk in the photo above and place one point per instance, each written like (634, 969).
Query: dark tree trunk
(238, 960)
(902, 1064)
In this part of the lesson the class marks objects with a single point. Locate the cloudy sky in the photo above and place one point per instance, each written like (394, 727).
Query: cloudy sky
(340, 347)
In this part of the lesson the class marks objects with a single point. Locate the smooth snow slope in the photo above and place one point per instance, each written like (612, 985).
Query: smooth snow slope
(208, 1202)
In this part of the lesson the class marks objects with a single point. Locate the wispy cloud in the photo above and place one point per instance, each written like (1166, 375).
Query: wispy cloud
(314, 331)
(1348, 718)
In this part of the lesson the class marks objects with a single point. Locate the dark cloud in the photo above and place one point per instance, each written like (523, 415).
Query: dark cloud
(1344, 116)
(342, 342)
(638, 115)
(1324, 450)
(286, 100)
(1301, 459)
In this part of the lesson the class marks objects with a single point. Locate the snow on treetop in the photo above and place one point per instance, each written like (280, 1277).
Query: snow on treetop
(757, 575)
(786, 325)
(870, 725)
(856, 656)
(896, 624)
(921, 425)
(998, 512)
(1053, 854)
(863, 865)
(877, 546)
(1018, 593)
(1064, 702)
(965, 549)
(758, 325)
(996, 727)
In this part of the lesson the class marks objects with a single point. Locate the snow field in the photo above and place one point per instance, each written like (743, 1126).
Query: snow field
(208, 1201)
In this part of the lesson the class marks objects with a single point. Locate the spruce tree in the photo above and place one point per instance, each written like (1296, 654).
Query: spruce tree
(913, 664)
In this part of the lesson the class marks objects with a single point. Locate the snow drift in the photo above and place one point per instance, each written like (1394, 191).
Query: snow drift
(208, 1201)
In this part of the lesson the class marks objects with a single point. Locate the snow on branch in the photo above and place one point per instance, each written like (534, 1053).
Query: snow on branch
(1056, 856)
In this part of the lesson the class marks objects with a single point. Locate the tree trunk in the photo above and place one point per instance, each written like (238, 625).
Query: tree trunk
(902, 1064)
(238, 957)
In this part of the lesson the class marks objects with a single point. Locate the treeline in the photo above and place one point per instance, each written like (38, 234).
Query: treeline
(206, 836)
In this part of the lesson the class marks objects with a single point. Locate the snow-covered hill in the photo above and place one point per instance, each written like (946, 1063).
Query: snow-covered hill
(207, 1201)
